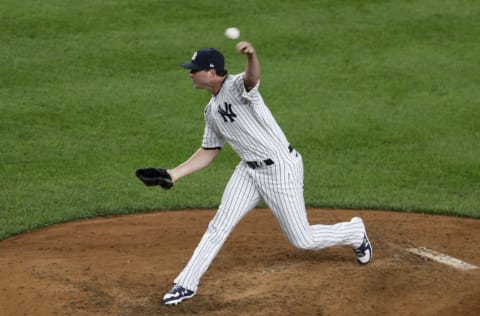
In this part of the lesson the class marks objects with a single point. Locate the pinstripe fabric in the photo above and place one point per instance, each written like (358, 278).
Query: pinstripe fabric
(254, 134)
(281, 186)
(239, 197)
(243, 120)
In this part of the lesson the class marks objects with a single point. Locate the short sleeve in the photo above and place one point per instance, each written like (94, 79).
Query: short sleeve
(211, 139)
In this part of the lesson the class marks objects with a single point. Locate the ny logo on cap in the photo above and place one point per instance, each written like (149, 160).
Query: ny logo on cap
(194, 56)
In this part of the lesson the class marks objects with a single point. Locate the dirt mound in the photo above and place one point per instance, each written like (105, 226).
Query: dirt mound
(124, 265)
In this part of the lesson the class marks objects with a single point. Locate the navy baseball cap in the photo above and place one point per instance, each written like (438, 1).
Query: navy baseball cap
(206, 58)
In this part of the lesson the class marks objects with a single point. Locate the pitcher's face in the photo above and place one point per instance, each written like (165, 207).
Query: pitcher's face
(201, 78)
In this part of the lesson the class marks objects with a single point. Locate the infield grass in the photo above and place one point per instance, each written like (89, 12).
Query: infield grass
(382, 99)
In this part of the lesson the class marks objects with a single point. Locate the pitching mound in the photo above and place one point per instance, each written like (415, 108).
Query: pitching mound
(124, 265)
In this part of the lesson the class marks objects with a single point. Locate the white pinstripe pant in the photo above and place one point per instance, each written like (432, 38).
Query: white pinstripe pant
(281, 187)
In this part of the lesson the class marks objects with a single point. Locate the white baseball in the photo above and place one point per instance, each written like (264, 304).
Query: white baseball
(232, 33)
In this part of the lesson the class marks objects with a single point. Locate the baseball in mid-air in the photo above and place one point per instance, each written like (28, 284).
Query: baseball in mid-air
(232, 33)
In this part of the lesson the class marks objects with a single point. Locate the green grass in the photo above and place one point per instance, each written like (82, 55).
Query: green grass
(381, 98)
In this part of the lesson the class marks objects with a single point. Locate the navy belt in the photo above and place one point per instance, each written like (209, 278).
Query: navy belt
(259, 164)
(266, 162)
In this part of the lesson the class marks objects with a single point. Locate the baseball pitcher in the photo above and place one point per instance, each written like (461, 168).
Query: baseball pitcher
(270, 169)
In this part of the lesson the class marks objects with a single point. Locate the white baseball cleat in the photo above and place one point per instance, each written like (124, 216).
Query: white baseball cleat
(176, 295)
(364, 252)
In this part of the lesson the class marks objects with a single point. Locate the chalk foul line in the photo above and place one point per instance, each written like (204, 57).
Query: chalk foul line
(442, 258)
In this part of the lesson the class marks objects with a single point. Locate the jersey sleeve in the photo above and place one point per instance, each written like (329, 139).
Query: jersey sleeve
(211, 140)
(252, 97)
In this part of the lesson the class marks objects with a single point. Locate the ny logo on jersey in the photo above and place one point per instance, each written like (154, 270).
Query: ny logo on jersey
(227, 112)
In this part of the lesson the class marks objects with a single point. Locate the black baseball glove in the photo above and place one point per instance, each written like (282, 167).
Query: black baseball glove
(155, 176)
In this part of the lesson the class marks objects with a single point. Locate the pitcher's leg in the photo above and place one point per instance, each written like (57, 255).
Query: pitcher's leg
(294, 223)
(239, 198)
(345, 233)
(286, 200)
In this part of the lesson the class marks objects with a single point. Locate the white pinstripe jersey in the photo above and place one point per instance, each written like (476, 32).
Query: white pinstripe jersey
(242, 119)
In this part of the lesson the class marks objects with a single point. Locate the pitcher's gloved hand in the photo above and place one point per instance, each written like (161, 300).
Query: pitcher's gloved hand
(155, 176)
